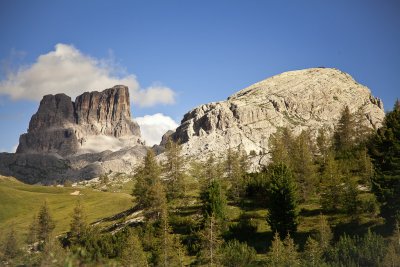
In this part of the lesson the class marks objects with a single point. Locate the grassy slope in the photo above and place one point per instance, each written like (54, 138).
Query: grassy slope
(19, 202)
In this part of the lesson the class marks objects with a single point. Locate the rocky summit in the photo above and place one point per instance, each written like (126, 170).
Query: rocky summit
(300, 100)
(77, 140)
(64, 127)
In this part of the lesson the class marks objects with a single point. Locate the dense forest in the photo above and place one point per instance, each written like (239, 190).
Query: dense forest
(326, 199)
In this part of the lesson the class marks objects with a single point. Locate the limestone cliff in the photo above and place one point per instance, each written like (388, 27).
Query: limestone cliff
(77, 140)
(64, 127)
(304, 99)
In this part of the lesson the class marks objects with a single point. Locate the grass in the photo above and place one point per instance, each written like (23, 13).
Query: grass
(19, 202)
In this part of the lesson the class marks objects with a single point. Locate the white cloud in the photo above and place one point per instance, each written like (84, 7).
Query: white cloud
(67, 70)
(154, 126)
(99, 143)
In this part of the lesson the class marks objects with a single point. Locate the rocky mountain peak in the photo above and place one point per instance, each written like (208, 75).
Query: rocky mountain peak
(300, 100)
(63, 127)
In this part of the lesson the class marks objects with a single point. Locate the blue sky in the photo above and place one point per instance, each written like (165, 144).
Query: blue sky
(189, 52)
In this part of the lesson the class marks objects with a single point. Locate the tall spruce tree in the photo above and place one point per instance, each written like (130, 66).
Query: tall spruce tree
(280, 147)
(170, 250)
(149, 190)
(214, 200)
(385, 153)
(331, 189)
(283, 204)
(210, 242)
(344, 135)
(10, 247)
(303, 165)
(323, 145)
(235, 168)
(132, 254)
(78, 226)
(45, 223)
(174, 170)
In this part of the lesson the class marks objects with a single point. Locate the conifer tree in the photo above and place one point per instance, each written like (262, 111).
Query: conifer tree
(158, 201)
(292, 256)
(276, 254)
(78, 224)
(392, 257)
(331, 188)
(171, 252)
(235, 168)
(282, 206)
(385, 153)
(324, 234)
(214, 201)
(303, 165)
(281, 146)
(283, 254)
(344, 135)
(312, 253)
(210, 242)
(213, 169)
(53, 254)
(132, 254)
(32, 231)
(10, 247)
(149, 190)
(236, 254)
(174, 170)
(45, 223)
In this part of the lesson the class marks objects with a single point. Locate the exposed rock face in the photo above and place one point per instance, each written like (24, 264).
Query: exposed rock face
(63, 127)
(304, 99)
(77, 140)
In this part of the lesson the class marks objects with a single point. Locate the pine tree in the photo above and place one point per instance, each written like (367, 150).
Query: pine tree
(235, 168)
(210, 242)
(292, 256)
(236, 254)
(324, 234)
(276, 254)
(32, 231)
(53, 253)
(331, 188)
(133, 254)
(312, 253)
(149, 190)
(282, 206)
(171, 252)
(385, 153)
(212, 170)
(281, 146)
(78, 224)
(283, 254)
(303, 165)
(45, 223)
(344, 135)
(392, 257)
(214, 201)
(158, 201)
(10, 247)
(174, 170)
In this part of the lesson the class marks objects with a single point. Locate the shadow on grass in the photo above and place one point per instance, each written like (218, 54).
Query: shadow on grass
(310, 213)
(354, 227)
